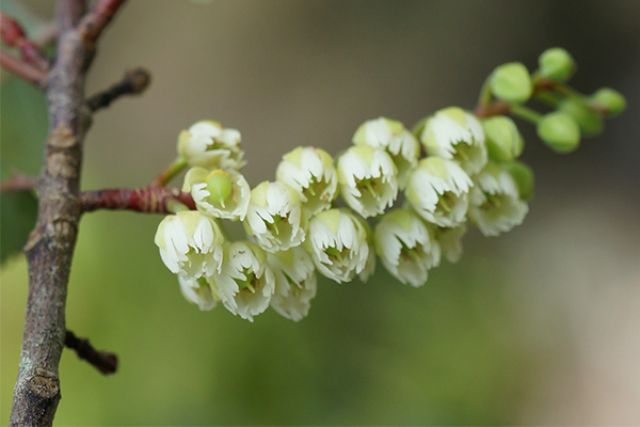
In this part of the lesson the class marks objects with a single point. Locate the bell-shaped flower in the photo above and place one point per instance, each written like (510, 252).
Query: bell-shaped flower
(246, 284)
(495, 205)
(406, 247)
(190, 244)
(206, 143)
(368, 179)
(218, 193)
(450, 241)
(274, 217)
(310, 171)
(337, 242)
(296, 282)
(198, 291)
(454, 134)
(391, 136)
(438, 191)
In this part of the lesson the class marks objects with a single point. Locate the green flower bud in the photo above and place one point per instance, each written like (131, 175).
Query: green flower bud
(560, 132)
(504, 141)
(556, 64)
(220, 187)
(610, 99)
(511, 82)
(589, 121)
(523, 176)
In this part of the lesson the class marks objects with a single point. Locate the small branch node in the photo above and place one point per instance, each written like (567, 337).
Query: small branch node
(103, 361)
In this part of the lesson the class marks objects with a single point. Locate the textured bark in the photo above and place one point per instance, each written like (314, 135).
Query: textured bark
(51, 244)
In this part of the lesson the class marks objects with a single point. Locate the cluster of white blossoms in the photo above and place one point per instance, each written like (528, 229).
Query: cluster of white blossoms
(405, 198)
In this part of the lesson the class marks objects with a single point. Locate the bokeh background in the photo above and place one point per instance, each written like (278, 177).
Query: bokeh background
(539, 326)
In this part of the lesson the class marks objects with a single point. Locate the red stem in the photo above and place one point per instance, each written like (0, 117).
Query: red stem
(22, 69)
(146, 199)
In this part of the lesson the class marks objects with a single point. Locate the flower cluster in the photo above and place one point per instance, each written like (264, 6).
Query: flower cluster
(405, 197)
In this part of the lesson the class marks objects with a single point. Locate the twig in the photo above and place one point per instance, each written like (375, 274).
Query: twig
(95, 21)
(146, 199)
(18, 182)
(13, 35)
(134, 82)
(103, 361)
(51, 244)
(22, 69)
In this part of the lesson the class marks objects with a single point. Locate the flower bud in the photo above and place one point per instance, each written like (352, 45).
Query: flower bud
(611, 100)
(495, 205)
(438, 191)
(450, 241)
(310, 172)
(556, 64)
(198, 291)
(559, 131)
(524, 178)
(218, 193)
(406, 247)
(454, 134)
(589, 121)
(274, 217)
(190, 244)
(504, 141)
(246, 284)
(511, 82)
(296, 282)
(338, 244)
(368, 180)
(391, 136)
(206, 143)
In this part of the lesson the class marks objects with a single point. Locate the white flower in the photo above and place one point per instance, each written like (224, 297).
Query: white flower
(190, 244)
(246, 284)
(450, 241)
(218, 193)
(405, 246)
(296, 282)
(495, 203)
(311, 173)
(198, 292)
(438, 191)
(274, 218)
(337, 241)
(454, 134)
(368, 179)
(206, 143)
(399, 143)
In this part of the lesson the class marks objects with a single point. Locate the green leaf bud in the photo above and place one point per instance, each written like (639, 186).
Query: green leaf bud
(612, 100)
(511, 82)
(503, 139)
(556, 64)
(523, 176)
(588, 120)
(560, 132)
(219, 186)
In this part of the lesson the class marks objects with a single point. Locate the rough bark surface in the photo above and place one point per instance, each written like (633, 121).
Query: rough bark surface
(50, 247)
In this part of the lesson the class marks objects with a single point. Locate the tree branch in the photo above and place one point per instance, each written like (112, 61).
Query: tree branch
(22, 69)
(134, 82)
(13, 35)
(146, 199)
(51, 244)
(96, 21)
(103, 361)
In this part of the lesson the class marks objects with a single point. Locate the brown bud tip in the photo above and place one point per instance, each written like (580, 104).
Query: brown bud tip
(139, 78)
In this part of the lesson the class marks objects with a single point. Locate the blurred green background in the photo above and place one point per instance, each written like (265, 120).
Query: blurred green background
(538, 326)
